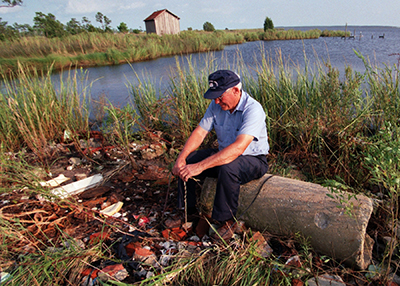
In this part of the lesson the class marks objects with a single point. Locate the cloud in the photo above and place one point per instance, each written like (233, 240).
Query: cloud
(104, 6)
(131, 6)
(8, 10)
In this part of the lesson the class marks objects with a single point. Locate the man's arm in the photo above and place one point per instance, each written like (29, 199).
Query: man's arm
(194, 141)
(222, 157)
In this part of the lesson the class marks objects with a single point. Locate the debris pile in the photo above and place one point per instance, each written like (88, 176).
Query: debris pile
(130, 209)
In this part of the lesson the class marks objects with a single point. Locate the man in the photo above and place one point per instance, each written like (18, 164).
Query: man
(239, 122)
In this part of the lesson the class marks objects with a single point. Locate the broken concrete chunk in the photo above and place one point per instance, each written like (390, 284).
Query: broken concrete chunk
(78, 187)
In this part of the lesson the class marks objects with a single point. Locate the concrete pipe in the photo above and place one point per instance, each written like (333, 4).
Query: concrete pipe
(286, 206)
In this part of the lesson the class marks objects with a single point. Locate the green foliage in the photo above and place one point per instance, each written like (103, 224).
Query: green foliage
(268, 24)
(48, 26)
(123, 28)
(104, 21)
(33, 113)
(382, 159)
(208, 27)
(7, 32)
(73, 27)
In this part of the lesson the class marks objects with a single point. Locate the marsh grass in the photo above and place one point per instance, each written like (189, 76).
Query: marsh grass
(86, 49)
(35, 114)
(382, 160)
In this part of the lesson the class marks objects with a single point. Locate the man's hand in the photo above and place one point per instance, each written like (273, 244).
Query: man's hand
(194, 141)
(189, 171)
(179, 164)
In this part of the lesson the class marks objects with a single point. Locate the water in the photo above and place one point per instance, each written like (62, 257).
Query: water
(111, 81)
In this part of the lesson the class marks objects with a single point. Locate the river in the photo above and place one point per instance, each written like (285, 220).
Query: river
(377, 43)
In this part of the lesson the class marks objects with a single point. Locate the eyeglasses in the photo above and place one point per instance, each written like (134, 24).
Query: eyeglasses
(220, 98)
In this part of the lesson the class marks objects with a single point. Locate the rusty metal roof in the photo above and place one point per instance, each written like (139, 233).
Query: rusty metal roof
(156, 13)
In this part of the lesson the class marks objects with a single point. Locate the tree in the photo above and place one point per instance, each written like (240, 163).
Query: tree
(48, 25)
(207, 26)
(86, 25)
(268, 24)
(6, 32)
(107, 23)
(99, 18)
(74, 27)
(104, 21)
(123, 28)
(11, 3)
(23, 29)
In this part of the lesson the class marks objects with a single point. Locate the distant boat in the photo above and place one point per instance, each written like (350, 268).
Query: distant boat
(383, 36)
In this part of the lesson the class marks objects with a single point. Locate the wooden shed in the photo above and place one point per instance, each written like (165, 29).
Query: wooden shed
(162, 22)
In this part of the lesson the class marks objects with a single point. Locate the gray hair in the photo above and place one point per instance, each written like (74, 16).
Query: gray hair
(239, 86)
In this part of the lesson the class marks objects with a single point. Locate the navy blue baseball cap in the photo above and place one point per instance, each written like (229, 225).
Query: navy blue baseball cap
(219, 82)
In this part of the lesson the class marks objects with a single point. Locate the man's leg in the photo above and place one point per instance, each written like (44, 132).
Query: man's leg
(230, 176)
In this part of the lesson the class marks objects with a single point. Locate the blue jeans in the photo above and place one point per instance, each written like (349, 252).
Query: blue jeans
(230, 176)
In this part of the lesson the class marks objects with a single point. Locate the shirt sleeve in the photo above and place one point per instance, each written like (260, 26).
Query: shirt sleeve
(207, 122)
(253, 121)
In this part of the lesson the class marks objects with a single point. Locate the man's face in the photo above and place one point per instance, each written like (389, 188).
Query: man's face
(229, 99)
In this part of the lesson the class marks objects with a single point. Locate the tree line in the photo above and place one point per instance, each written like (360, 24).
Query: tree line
(50, 27)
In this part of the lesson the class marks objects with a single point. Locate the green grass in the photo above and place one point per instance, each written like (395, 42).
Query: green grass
(34, 113)
(93, 49)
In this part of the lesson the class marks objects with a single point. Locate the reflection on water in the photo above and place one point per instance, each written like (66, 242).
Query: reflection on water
(111, 81)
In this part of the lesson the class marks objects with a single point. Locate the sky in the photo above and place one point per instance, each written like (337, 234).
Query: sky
(233, 14)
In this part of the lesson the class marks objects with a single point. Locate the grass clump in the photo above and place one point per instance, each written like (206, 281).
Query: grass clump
(35, 114)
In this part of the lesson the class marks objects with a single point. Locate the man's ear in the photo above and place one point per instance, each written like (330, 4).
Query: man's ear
(236, 90)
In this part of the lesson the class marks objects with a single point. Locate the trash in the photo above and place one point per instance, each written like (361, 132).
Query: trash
(78, 187)
(80, 177)
(74, 161)
(55, 181)
(143, 221)
(326, 280)
(4, 277)
(113, 209)
(294, 261)
(262, 245)
(176, 233)
(90, 273)
(145, 255)
(116, 271)
(171, 223)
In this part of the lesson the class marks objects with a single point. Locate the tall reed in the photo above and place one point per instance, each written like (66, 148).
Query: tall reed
(35, 112)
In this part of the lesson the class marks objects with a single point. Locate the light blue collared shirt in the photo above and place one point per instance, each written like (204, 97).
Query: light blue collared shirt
(248, 118)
